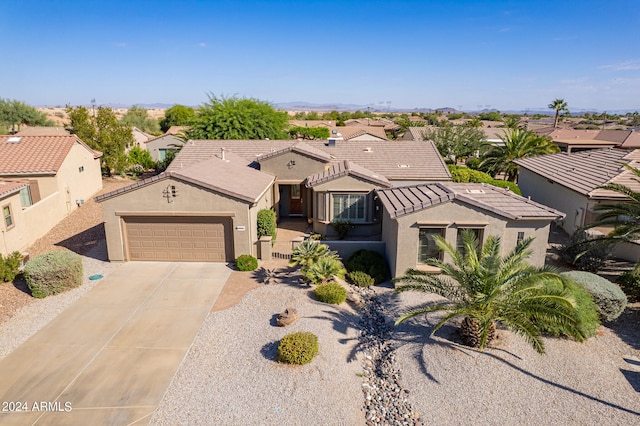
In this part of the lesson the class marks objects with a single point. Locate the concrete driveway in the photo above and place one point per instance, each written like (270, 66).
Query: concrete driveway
(109, 358)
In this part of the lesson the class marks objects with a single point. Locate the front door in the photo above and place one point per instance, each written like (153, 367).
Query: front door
(295, 200)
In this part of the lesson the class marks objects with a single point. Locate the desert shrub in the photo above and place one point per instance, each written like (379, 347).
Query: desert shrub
(473, 163)
(608, 297)
(267, 223)
(361, 279)
(588, 318)
(332, 293)
(53, 272)
(629, 282)
(246, 262)
(9, 266)
(585, 252)
(468, 174)
(323, 270)
(342, 227)
(298, 348)
(369, 262)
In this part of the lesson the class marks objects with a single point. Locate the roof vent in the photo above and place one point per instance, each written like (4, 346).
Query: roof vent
(475, 191)
(403, 166)
(368, 149)
(334, 132)
(14, 139)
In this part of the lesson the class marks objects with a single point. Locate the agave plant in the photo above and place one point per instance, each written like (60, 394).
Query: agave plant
(485, 288)
(324, 270)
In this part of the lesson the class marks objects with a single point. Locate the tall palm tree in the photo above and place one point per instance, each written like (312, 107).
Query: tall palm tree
(518, 143)
(560, 105)
(485, 288)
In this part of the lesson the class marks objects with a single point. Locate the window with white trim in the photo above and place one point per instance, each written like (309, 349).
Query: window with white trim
(349, 207)
(520, 237)
(25, 197)
(320, 212)
(162, 154)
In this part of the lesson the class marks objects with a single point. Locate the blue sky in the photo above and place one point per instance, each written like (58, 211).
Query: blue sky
(400, 54)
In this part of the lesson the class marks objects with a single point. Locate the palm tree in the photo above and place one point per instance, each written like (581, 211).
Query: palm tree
(560, 106)
(518, 143)
(308, 252)
(485, 288)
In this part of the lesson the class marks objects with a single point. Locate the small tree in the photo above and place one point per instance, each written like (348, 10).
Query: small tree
(139, 117)
(559, 105)
(267, 223)
(177, 115)
(14, 114)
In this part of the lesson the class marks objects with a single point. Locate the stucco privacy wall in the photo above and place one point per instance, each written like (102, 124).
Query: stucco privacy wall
(190, 200)
(14, 238)
(401, 235)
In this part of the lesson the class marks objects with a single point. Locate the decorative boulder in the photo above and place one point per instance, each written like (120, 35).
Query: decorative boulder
(288, 317)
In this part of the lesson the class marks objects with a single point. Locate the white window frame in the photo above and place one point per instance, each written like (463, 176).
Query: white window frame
(352, 199)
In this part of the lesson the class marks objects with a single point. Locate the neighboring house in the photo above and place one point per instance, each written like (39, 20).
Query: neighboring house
(311, 123)
(571, 183)
(159, 146)
(359, 133)
(176, 130)
(140, 137)
(571, 140)
(415, 133)
(204, 207)
(492, 134)
(412, 215)
(13, 225)
(60, 172)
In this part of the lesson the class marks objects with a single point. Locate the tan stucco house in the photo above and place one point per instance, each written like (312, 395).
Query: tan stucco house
(204, 207)
(53, 176)
(160, 146)
(570, 183)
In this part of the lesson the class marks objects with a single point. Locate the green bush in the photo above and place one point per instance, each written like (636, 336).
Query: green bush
(298, 348)
(369, 262)
(9, 266)
(332, 293)
(608, 297)
(629, 282)
(586, 252)
(342, 227)
(53, 272)
(323, 270)
(361, 279)
(466, 174)
(587, 312)
(473, 163)
(267, 224)
(246, 262)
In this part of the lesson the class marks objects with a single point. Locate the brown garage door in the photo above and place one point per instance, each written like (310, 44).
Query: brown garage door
(192, 239)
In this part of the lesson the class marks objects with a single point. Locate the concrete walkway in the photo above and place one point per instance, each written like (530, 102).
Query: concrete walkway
(108, 359)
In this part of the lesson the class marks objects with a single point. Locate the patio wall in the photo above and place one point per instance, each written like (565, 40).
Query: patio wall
(346, 248)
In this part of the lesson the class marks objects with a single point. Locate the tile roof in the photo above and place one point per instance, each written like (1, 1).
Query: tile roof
(8, 187)
(36, 154)
(351, 132)
(584, 172)
(397, 160)
(300, 148)
(346, 168)
(404, 200)
(416, 133)
(627, 139)
(223, 176)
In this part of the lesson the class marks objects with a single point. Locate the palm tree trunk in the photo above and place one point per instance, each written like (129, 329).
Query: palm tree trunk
(555, 122)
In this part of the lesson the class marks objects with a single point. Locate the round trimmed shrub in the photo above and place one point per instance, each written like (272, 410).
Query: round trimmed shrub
(53, 272)
(587, 313)
(359, 278)
(629, 282)
(298, 348)
(370, 262)
(332, 293)
(246, 262)
(608, 297)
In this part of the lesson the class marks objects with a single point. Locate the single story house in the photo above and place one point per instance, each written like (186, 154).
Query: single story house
(572, 140)
(571, 183)
(159, 146)
(412, 215)
(204, 206)
(59, 172)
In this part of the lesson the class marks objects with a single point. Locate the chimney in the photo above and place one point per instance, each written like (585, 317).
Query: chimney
(222, 153)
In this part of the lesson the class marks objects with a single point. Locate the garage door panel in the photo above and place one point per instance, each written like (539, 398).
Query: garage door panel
(177, 239)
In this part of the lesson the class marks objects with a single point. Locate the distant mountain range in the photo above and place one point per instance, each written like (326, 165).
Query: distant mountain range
(308, 106)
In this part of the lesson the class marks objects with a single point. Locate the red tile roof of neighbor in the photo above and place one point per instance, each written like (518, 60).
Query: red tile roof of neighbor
(585, 171)
(36, 154)
(8, 187)
(408, 199)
